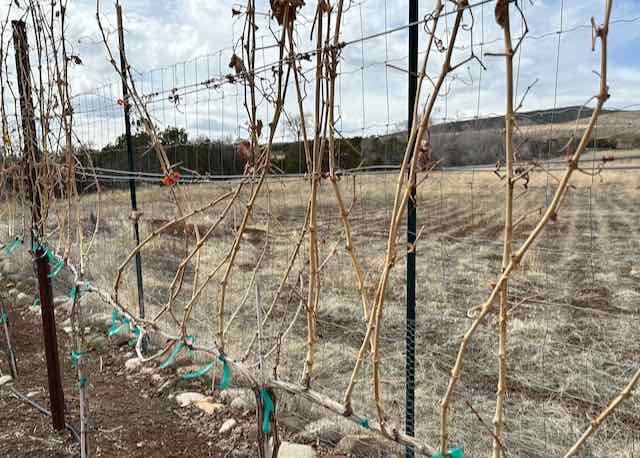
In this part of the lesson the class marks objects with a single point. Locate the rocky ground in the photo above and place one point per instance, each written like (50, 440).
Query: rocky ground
(136, 410)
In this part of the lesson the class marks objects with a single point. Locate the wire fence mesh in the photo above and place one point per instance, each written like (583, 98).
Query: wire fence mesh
(574, 303)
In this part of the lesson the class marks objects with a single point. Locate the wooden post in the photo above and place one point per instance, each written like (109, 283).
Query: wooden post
(132, 181)
(31, 159)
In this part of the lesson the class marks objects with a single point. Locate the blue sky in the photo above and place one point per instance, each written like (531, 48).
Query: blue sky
(187, 41)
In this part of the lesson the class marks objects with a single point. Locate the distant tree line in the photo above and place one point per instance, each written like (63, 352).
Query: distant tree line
(452, 147)
(220, 157)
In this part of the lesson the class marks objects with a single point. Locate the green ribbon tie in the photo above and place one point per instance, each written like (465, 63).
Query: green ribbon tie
(4, 318)
(199, 373)
(117, 318)
(268, 410)
(364, 423)
(453, 453)
(172, 356)
(73, 294)
(76, 356)
(35, 246)
(13, 246)
(189, 342)
(136, 335)
(57, 264)
(36, 302)
(226, 373)
(82, 381)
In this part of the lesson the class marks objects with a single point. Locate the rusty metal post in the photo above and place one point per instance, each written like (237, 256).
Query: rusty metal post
(31, 158)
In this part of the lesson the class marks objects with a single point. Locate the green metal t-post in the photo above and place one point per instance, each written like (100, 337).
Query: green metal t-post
(411, 238)
(129, 142)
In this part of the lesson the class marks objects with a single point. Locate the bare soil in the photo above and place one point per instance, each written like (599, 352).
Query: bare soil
(129, 417)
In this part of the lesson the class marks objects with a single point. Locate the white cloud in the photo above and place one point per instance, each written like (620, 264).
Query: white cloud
(181, 40)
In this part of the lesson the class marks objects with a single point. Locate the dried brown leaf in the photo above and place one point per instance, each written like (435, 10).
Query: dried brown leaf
(502, 12)
(237, 64)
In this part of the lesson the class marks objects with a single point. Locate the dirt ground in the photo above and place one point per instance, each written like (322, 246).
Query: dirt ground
(129, 417)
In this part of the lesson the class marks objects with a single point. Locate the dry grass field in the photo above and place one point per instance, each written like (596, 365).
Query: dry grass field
(575, 302)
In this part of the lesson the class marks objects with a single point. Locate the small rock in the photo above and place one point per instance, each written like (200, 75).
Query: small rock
(227, 426)
(18, 277)
(291, 450)
(209, 407)
(59, 300)
(241, 404)
(99, 321)
(32, 394)
(157, 378)
(294, 423)
(97, 342)
(67, 329)
(23, 299)
(185, 399)
(147, 370)
(324, 430)
(360, 445)
(13, 292)
(132, 364)
(230, 394)
(9, 268)
(5, 379)
(27, 284)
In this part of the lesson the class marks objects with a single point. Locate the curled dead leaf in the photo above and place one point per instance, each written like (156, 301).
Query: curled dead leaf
(279, 8)
(237, 64)
(502, 12)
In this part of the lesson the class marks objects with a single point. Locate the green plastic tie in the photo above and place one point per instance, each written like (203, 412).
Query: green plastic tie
(73, 294)
(56, 263)
(453, 453)
(76, 356)
(189, 342)
(13, 246)
(82, 381)
(36, 303)
(136, 335)
(57, 267)
(117, 318)
(199, 373)
(226, 373)
(364, 423)
(268, 410)
(172, 356)
(35, 246)
(4, 318)
(113, 330)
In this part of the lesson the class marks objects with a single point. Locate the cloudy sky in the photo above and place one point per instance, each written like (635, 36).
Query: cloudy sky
(180, 43)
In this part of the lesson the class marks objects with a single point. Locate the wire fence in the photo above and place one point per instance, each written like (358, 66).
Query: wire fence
(574, 305)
